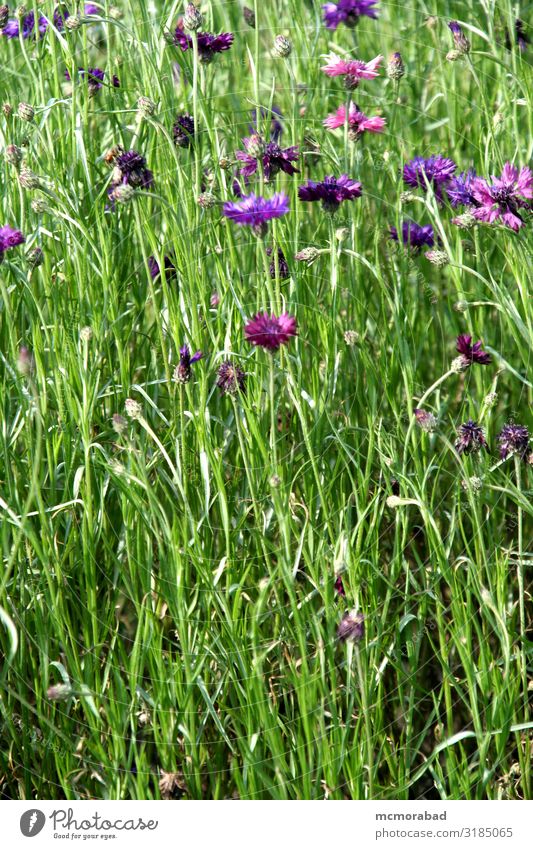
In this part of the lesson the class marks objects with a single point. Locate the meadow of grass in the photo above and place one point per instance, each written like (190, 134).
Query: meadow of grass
(169, 594)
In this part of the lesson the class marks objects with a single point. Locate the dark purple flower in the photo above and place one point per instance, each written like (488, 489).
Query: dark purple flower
(276, 128)
(95, 78)
(131, 170)
(414, 235)
(522, 38)
(273, 157)
(25, 27)
(183, 130)
(514, 439)
(231, 379)
(208, 44)
(352, 627)
(331, 191)
(254, 211)
(471, 353)
(170, 268)
(269, 331)
(283, 268)
(459, 189)
(471, 438)
(182, 372)
(348, 12)
(502, 200)
(339, 587)
(461, 42)
(435, 171)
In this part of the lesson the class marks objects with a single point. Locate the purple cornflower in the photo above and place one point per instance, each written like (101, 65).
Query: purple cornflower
(435, 170)
(471, 353)
(254, 211)
(269, 331)
(131, 170)
(208, 44)
(276, 127)
(155, 271)
(513, 439)
(183, 130)
(231, 379)
(95, 78)
(25, 26)
(414, 235)
(471, 438)
(182, 372)
(9, 238)
(283, 268)
(459, 189)
(348, 12)
(331, 191)
(352, 627)
(461, 42)
(273, 157)
(502, 200)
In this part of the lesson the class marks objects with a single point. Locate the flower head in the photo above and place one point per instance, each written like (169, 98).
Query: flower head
(269, 331)
(131, 170)
(459, 189)
(348, 12)
(254, 211)
(414, 235)
(231, 379)
(182, 372)
(460, 41)
(470, 438)
(358, 122)
(352, 627)
(208, 44)
(273, 157)
(352, 70)
(183, 130)
(9, 238)
(504, 197)
(331, 191)
(471, 353)
(435, 171)
(94, 78)
(514, 439)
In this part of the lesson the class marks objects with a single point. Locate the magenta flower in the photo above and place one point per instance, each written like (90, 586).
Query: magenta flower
(273, 157)
(270, 332)
(472, 353)
(352, 69)
(254, 211)
(332, 191)
(358, 122)
(208, 44)
(514, 439)
(348, 12)
(502, 200)
(9, 238)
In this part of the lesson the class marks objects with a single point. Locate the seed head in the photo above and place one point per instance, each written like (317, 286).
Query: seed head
(231, 379)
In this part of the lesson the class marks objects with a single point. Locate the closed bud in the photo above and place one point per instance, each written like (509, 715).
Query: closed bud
(133, 408)
(438, 258)
(407, 197)
(255, 146)
(25, 362)
(342, 233)
(453, 55)
(86, 334)
(7, 109)
(461, 42)
(146, 106)
(224, 163)
(27, 178)
(206, 200)
(21, 11)
(115, 13)
(425, 420)
(491, 399)
(249, 16)
(35, 258)
(192, 19)
(59, 692)
(461, 306)
(352, 627)
(282, 47)
(39, 205)
(124, 193)
(13, 154)
(119, 423)
(395, 67)
(26, 112)
(308, 255)
(4, 15)
(465, 221)
(72, 23)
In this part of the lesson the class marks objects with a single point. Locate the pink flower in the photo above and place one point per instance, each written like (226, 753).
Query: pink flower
(358, 122)
(337, 67)
(504, 198)
(269, 331)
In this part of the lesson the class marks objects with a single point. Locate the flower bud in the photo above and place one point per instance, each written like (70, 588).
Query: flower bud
(4, 15)
(133, 408)
(123, 193)
(26, 112)
(395, 67)
(192, 19)
(28, 179)
(255, 146)
(7, 109)
(425, 420)
(282, 47)
(206, 200)
(438, 258)
(249, 16)
(39, 205)
(72, 23)
(146, 106)
(461, 42)
(308, 255)
(59, 692)
(13, 154)
(35, 258)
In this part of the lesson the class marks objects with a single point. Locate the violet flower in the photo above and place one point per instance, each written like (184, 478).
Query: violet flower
(414, 235)
(436, 171)
(270, 331)
(182, 372)
(331, 191)
(471, 438)
(503, 199)
(273, 157)
(471, 354)
(254, 211)
(208, 44)
(348, 12)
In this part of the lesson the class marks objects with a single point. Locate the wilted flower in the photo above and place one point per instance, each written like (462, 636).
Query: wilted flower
(208, 44)
(358, 122)
(352, 627)
(348, 12)
(254, 211)
(461, 42)
(269, 331)
(471, 438)
(395, 67)
(435, 171)
(171, 784)
(130, 170)
(331, 191)
(273, 157)
(502, 200)
(414, 235)
(514, 439)
(183, 130)
(425, 420)
(9, 238)
(182, 372)
(231, 379)
(471, 353)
